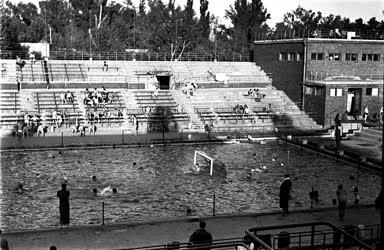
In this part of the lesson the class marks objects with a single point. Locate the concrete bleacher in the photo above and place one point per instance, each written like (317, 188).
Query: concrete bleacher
(158, 112)
(66, 71)
(9, 101)
(217, 107)
(9, 108)
(50, 100)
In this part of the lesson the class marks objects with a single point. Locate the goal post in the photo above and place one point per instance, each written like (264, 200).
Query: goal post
(203, 154)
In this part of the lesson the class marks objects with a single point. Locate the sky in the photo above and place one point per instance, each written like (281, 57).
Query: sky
(351, 9)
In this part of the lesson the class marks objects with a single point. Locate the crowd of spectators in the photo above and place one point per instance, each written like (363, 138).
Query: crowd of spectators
(95, 98)
(255, 93)
(189, 88)
(67, 97)
(104, 114)
(39, 123)
(241, 109)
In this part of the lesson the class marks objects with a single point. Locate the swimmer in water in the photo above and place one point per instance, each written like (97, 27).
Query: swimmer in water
(196, 168)
(94, 177)
(106, 191)
(249, 176)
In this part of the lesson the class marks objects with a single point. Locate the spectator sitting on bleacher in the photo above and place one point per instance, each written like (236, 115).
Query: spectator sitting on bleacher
(105, 66)
(27, 119)
(19, 64)
(32, 57)
(69, 97)
(147, 110)
(155, 93)
(63, 97)
(241, 109)
(35, 120)
(246, 109)
(119, 112)
(194, 85)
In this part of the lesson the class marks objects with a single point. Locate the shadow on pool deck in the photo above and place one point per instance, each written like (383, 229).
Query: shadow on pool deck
(162, 232)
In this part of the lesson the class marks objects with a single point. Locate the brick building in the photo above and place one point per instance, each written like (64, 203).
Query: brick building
(326, 76)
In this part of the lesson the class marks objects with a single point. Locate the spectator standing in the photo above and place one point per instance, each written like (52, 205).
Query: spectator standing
(285, 189)
(366, 113)
(105, 66)
(337, 120)
(63, 195)
(201, 236)
(3, 242)
(337, 136)
(355, 190)
(342, 200)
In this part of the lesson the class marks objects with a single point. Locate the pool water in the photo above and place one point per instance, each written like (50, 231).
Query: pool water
(161, 185)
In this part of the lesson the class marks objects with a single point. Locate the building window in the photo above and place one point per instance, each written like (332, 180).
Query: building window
(336, 92)
(308, 90)
(372, 91)
(370, 57)
(299, 56)
(291, 56)
(283, 56)
(334, 56)
(317, 56)
(314, 90)
(351, 57)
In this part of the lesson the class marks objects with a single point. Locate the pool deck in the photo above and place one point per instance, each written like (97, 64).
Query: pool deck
(364, 144)
(162, 232)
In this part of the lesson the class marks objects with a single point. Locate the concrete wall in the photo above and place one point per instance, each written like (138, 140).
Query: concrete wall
(314, 107)
(338, 104)
(286, 75)
(343, 67)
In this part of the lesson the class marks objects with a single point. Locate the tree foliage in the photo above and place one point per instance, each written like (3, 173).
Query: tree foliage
(159, 26)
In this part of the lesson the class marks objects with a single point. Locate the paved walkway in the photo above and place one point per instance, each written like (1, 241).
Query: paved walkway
(143, 234)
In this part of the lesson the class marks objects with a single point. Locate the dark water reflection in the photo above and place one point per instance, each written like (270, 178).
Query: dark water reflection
(161, 186)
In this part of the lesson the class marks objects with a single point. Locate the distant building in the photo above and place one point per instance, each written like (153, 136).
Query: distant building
(326, 76)
(42, 48)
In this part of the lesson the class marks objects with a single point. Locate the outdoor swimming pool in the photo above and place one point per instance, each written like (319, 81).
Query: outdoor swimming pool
(160, 185)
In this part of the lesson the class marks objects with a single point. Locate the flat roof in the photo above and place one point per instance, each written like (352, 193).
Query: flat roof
(319, 40)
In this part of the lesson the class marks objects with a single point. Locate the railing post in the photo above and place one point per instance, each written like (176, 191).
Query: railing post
(312, 237)
(122, 136)
(62, 139)
(214, 205)
(102, 213)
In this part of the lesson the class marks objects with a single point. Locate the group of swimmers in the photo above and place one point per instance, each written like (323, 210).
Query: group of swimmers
(106, 191)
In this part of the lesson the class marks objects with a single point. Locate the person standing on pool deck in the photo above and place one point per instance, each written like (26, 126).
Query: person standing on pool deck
(63, 195)
(201, 236)
(3, 242)
(342, 200)
(285, 189)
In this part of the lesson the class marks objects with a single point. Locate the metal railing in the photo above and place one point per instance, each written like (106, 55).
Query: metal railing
(129, 56)
(290, 33)
(230, 243)
(320, 235)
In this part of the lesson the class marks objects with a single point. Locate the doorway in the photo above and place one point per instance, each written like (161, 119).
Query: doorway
(163, 82)
(354, 101)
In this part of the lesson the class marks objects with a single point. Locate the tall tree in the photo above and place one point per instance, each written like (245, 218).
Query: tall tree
(246, 19)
